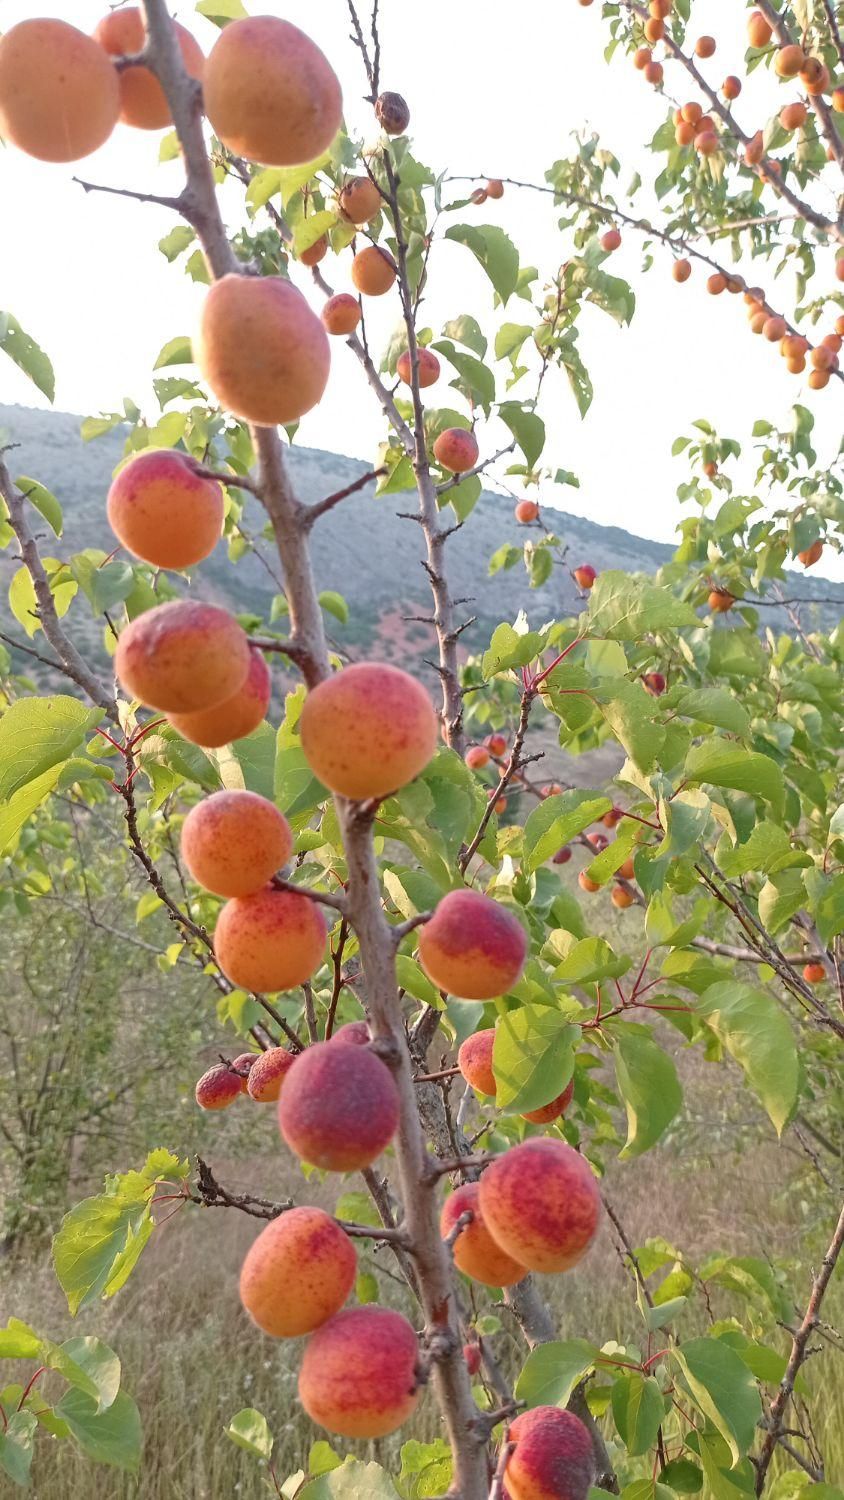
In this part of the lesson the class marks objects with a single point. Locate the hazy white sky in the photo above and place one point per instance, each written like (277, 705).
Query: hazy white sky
(492, 88)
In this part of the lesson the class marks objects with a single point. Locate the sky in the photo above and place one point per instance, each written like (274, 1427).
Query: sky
(493, 89)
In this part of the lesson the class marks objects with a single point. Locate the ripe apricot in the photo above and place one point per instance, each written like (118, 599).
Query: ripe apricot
(373, 271)
(812, 554)
(368, 730)
(59, 92)
(611, 240)
(270, 94)
(837, 100)
(839, 269)
(641, 57)
(476, 757)
(233, 842)
(474, 1059)
(236, 716)
(692, 112)
(775, 329)
(182, 656)
(473, 947)
(627, 871)
(716, 283)
(832, 341)
(815, 76)
(541, 1203)
(684, 133)
(341, 314)
(553, 1110)
(759, 31)
(313, 254)
(476, 1253)
(793, 116)
(586, 883)
(553, 1456)
(754, 150)
(352, 1034)
(162, 510)
(654, 29)
(495, 188)
(360, 200)
(268, 1073)
(731, 87)
(298, 1273)
(479, 196)
(796, 364)
(261, 348)
(793, 345)
(818, 379)
(526, 511)
(428, 367)
(758, 321)
(142, 100)
(358, 1373)
(710, 469)
(681, 270)
(218, 1087)
(392, 113)
(269, 940)
(705, 46)
(720, 600)
(496, 743)
(822, 358)
(814, 973)
(654, 683)
(706, 143)
(456, 449)
(789, 60)
(339, 1108)
(621, 897)
(584, 575)
(653, 73)
(500, 805)
(612, 817)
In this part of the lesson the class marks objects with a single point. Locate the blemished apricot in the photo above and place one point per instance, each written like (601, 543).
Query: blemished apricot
(339, 1108)
(233, 842)
(298, 1273)
(541, 1203)
(476, 1253)
(598, 841)
(775, 329)
(812, 554)
(621, 897)
(814, 973)
(352, 1034)
(368, 730)
(476, 757)
(59, 92)
(479, 196)
(373, 271)
(360, 200)
(341, 314)
(236, 716)
(654, 28)
(720, 600)
(526, 511)
(269, 940)
(456, 449)
(611, 240)
(182, 656)
(789, 60)
(142, 100)
(495, 188)
(553, 1110)
(496, 744)
(392, 113)
(681, 270)
(684, 133)
(793, 116)
(731, 87)
(270, 94)
(796, 364)
(641, 57)
(472, 947)
(553, 1456)
(705, 46)
(814, 76)
(818, 379)
(759, 31)
(218, 1087)
(586, 883)
(706, 143)
(584, 575)
(716, 283)
(314, 253)
(162, 510)
(474, 1059)
(243, 1066)
(627, 871)
(428, 367)
(261, 348)
(267, 1074)
(358, 1373)
(654, 72)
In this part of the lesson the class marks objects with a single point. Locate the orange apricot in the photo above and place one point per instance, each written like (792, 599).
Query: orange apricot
(373, 271)
(586, 883)
(710, 469)
(793, 116)
(456, 449)
(681, 270)
(692, 113)
(392, 113)
(822, 358)
(789, 60)
(611, 240)
(496, 743)
(758, 321)
(653, 72)
(706, 143)
(270, 94)
(360, 200)
(270, 939)
(218, 1087)
(837, 100)
(553, 1456)
(654, 29)
(731, 87)
(754, 150)
(705, 46)
(476, 1253)
(541, 1203)
(627, 871)
(267, 1074)
(233, 842)
(526, 511)
(476, 757)
(182, 656)
(832, 341)
(775, 329)
(758, 29)
(142, 100)
(553, 1110)
(796, 364)
(474, 1059)
(339, 1108)
(815, 76)
(368, 730)
(720, 600)
(472, 947)
(793, 345)
(313, 254)
(236, 716)
(684, 133)
(261, 348)
(341, 314)
(428, 367)
(716, 283)
(814, 973)
(641, 57)
(818, 379)
(59, 92)
(495, 188)
(358, 1376)
(621, 897)
(298, 1273)
(162, 510)
(812, 554)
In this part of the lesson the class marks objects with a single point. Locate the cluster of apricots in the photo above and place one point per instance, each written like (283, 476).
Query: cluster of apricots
(494, 188)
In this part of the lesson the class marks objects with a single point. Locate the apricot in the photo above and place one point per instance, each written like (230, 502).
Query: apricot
(500, 805)
(182, 656)
(298, 1273)
(586, 883)
(59, 92)
(814, 973)
(731, 87)
(268, 1073)
(428, 367)
(585, 575)
(692, 113)
(754, 150)
(339, 1108)
(612, 817)
(479, 196)
(705, 46)
(496, 743)
(598, 841)
(815, 76)
(839, 326)
(162, 510)
(789, 60)
(793, 345)
(758, 29)
(233, 842)
(314, 253)
(368, 730)
(236, 716)
(837, 100)
(684, 133)
(495, 188)
(611, 240)
(476, 757)
(142, 100)
(796, 364)
(243, 1065)
(716, 283)
(472, 1358)
(526, 511)
(793, 116)
(706, 143)
(373, 271)
(269, 940)
(541, 1203)
(660, 8)
(654, 683)
(720, 600)
(775, 329)
(270, 94)
(832, 341)
(358, 1374)
(456, 450)
(641, 57)
(553, 1110)
(710, 469)
(735, 284)
(474, 1059)
(758, 321)
(627, 870)
(392, 113)
(654, 29)
(352, 1034)
(681, 270)
(341, 314)
(261, 348)
(822, 358)
(553, 1458)
(653, 73)
(476, 1253)
(360, 200)
(472, 947)
(621, 897)
(218, 1087)
(562, 856)
(812, 554)
(818, 379)
(839, 269)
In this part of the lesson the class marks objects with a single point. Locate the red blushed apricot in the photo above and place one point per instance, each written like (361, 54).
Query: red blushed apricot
(496, 743)
(473, 947)
(360, 200)
(476, 757)
(526, 511)
(585, 575)
(358, 1374)
(59, 93)
(654, 72)
(681, 270)
(731, 87)
(812, 554)
(267, 1074)
(495, 188)
(373, 271)
(814, 973)
(236, 716)
(611, 240)
(218, 1088)
(684, 133)
(552, 1111)
(476, 1253)
(472, 1358)
(541, 1203)
(705, 46)
(758, 29)
(474, 1059)
(298, 1273)
(183, 656)
(553, 1458)
(270, 94)
(793, 116)
(754, 150)
(142, 100)
(456, 450)
(163, 511)
(368, 730)
(775, 328)
(353, 1034)
(261, 348)
(428, 367)
(339, 1108)
(271, 940)
(341, 314)
(233, 842)
(243, 1066)
(720, 600)
(641, 58)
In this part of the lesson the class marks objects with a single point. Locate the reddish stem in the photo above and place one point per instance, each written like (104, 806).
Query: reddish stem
(535, 681)
(28, 1388)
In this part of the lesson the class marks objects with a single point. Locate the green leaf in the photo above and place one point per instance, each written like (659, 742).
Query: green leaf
(556, 820)
(768, 842)
(466, 330)
(45, 503)
(89, 1366)
(308, 231)
(25, 353)
(622, 608)
(19, 1341)
(532, 1057)
(18, 809)
(17, 1446)
(757, 1034)
(682, 1476)
(527, 428)
(37, 733)
(781, 896)
(222, 11)
(335, 605)
(723, 1388)
(724, 763)
(476, 382)
(648, 1084)
(250, 1429)
(714, 706)
(510, 338)
(353, 1480)
(638, 1409)
(589, 960)
(176, 242)
(495, 252)
(629, 713)
(551, 1372)
(175, 352)
(109, 1437)
(510, 648)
